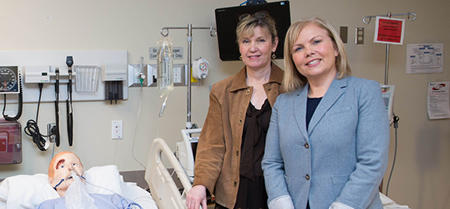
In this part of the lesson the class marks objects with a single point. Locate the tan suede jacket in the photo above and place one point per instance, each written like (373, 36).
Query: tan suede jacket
(219, 148)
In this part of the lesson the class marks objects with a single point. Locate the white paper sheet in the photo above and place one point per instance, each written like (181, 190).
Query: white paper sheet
(424, 58)
(438, 100)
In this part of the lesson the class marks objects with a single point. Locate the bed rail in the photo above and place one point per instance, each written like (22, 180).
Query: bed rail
(161, 183)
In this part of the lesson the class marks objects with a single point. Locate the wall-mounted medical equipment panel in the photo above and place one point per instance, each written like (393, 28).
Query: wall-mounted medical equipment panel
(96, 75)
(147, 75)
(137, 75)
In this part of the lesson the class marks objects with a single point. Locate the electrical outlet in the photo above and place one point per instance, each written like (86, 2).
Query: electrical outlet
(177, 73)
(343, 30)
(116, 129)
(359, 35)
(180, 74)
(51, 132)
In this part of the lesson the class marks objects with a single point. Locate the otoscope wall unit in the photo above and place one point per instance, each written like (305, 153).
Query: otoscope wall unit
(96, 75)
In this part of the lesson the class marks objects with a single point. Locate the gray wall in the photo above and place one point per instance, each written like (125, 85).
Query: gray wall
(422, 169)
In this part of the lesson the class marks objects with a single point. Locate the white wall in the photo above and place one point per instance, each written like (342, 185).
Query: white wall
(421, 174)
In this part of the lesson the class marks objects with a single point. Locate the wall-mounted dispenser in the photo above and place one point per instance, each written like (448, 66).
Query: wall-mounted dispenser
(10, 142)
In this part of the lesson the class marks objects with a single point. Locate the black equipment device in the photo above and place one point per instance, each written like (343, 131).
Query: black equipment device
(20, 103)
(228, 18)
(256, 2)
(69, 108)
(113, 91)
(57, 136)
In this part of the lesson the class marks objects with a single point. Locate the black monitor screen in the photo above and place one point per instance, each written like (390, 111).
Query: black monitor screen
(227, 19)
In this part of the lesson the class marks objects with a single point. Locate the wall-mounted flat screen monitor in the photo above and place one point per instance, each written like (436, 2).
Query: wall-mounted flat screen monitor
(227, 19)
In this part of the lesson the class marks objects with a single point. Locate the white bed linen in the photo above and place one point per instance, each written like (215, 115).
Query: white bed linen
(28, 191)
(388, 203)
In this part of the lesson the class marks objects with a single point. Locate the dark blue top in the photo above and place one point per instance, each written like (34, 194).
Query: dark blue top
(311, 106)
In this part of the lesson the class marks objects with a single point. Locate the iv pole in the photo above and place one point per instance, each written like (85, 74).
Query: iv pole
(366, 20)
(189, 28)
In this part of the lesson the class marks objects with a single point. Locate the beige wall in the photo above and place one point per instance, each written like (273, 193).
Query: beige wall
(423, 161)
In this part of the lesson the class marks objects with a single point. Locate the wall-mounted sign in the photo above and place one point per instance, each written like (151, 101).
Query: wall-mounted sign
(389, 30)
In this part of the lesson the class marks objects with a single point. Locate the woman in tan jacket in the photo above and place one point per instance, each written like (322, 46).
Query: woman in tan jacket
(231, 145)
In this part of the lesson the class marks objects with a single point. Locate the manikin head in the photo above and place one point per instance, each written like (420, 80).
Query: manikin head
(60, 169)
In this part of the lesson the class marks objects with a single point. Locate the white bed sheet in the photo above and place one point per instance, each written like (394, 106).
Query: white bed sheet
(28, 191)
(388, 203)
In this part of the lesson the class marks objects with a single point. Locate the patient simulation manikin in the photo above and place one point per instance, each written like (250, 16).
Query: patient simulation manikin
(60, 171)
(65, 175)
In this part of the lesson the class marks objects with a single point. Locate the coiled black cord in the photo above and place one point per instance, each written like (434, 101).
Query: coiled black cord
(396, 119)
(32, 128)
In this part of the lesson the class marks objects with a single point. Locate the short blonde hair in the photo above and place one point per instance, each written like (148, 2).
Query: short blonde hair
(248, 22)
(292, 78)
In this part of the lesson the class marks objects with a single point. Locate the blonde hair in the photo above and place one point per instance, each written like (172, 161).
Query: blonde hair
(292, 78)
(52, 166)
(248, 22)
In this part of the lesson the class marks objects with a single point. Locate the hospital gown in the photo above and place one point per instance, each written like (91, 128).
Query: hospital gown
(101, 201)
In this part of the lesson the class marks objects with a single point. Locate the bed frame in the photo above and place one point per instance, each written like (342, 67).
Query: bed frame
(165, 192)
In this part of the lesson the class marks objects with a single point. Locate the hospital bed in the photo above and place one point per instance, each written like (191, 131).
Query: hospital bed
(169, 195)
(28, 191)
(162, 172)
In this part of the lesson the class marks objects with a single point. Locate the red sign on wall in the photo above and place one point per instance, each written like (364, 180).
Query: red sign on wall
(389, 30)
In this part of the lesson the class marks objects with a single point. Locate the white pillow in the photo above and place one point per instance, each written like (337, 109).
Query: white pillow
(104, 180)
(107, 180)
(25, 191)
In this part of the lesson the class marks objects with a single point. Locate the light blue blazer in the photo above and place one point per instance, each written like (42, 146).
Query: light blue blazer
(341, 157)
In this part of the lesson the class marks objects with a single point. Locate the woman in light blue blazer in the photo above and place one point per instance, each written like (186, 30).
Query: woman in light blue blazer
(327, 144)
